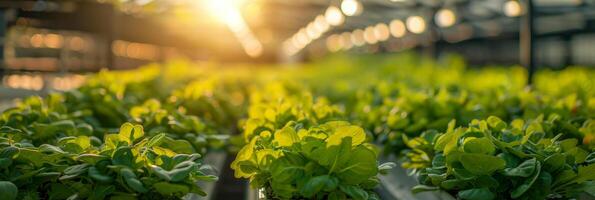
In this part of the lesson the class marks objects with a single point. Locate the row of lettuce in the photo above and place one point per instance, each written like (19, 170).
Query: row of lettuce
(475, 133)
(313, 132)
(123, 135)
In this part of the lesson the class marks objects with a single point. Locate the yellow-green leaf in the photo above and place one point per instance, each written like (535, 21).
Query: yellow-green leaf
(356, 133)
(286, 137)
(131, 132)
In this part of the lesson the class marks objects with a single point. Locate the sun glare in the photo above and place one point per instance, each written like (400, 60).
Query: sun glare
(228, 12)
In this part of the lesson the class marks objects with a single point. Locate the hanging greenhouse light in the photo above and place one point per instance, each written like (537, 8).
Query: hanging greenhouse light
(357, 37)
(37, 40)
(416, 24)
(302, 38)
(369, 35)
(397, 28)
(333, 43)
(334, 16)
(289, 47)
(313, 31)
(294, 42)
(53, 40)
(321, 23)
(381, 31)
(351, 7)
(346, 40)
(512, 8)
(445, 17)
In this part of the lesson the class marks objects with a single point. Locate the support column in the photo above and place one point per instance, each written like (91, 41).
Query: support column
(527, 40)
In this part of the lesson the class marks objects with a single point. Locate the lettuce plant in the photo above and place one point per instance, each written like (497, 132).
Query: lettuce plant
(329, 161)
(278, 105)
(40, 121)
(157, 118)
(127, 166)
(494, 160)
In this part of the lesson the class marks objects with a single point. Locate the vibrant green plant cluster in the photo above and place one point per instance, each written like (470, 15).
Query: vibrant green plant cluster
(128, 165)
(221, 101)
(408, 107)
(177, 124)
(330, 161)
(406, 96)
(92, 113)
(277, 104)
(307, 132)
(58, 147)
(394, 111)
(41, 121)
(494, 160)
(295, 150)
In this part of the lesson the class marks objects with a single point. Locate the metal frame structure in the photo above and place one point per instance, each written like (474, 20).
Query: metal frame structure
(283, 18)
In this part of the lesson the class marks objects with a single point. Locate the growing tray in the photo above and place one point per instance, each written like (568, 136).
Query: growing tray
(397, 184)
(254, 194)
(217, 160)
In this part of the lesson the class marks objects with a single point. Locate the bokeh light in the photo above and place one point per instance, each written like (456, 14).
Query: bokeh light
(512, 8)
(382, 31)
(370, 35)
(357, 37)
(333, 43)
(445, 17)
(416, 24)
(334, 16)
(346, 40)
(351, 7)
(397, 28)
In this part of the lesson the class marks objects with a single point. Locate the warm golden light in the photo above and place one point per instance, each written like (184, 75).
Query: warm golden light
(370, 36)
(351, 7)
(321, 23)
(295, 40)
(253, 48)
(27, 82)
(303, 38)
(119, 48)
(397, 28)
(382, 32)
(416, 24)
(53, 40)
(445, 17)
(334, 16)
(77, 43)
(141, 51)
(227, 11)
(36, 40)
(67, 82)
(357, 37)
(333, 43)
(289, 48)
(312, 31)
(346, 40)
(512, 8)
(224, 10)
